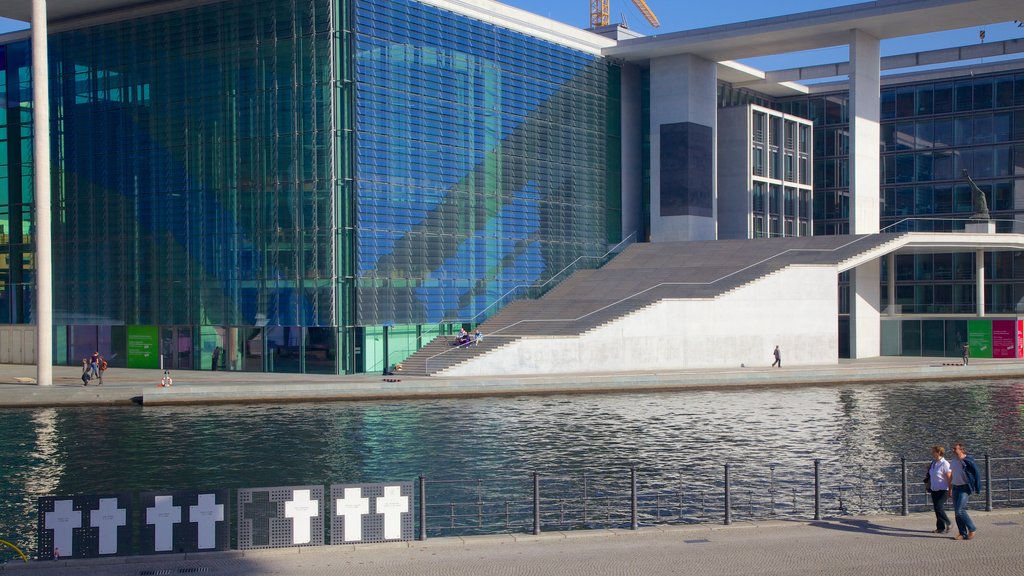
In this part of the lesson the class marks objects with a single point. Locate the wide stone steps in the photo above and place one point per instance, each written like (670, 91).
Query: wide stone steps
(640, 276)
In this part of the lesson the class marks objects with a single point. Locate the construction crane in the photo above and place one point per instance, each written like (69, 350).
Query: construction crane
(599, 13)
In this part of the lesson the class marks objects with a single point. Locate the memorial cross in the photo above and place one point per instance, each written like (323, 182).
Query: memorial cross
(63, 520)
(108, 517)
(392, 505)
(206, 513)
(163, 516)
(301, 509)
(259, 512)
(353, 507)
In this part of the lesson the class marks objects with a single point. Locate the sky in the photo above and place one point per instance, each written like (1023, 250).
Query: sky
(676, 15)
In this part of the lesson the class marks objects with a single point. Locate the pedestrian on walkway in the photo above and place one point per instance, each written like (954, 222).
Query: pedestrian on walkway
(86, 372)
(94, 364)
(937, 479)
(103, 369)
(967, 352)
(778, 357)
(964, 481)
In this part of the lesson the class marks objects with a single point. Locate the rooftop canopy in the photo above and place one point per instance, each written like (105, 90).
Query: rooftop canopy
(819, 29)
(66, 9)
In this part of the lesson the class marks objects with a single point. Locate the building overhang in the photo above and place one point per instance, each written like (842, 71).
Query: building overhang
(818, 29)
(938, 242)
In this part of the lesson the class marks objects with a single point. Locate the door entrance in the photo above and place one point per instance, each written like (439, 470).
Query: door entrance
(176, 347)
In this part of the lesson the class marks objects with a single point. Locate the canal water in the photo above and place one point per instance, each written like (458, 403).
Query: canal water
(862, 428)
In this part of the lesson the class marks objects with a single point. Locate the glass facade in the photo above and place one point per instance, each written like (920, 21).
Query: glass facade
(282, 186)
(481, 162)
(931, 132)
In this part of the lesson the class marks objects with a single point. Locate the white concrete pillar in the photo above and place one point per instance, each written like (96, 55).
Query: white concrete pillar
(865, 114)
(684, 119)
(865, 316)
(41, 188)
(979, 282)
(890, 262)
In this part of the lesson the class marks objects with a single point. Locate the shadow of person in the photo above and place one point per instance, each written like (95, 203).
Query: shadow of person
(868, 527)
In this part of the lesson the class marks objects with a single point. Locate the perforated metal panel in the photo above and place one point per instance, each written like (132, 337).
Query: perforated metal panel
(372, 512)
(187, 522)
(84, 526)
(280, 517)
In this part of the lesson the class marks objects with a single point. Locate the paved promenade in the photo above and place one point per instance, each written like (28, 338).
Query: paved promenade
(890, 545)
(123, 386)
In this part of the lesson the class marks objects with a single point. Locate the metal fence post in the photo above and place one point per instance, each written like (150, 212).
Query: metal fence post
(728, 498)
(633, 525)
(904, 508)
(817, 489)
(988, 483)
(536, 503)
(423, 508)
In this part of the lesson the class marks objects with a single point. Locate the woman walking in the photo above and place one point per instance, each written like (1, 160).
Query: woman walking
(939, 474)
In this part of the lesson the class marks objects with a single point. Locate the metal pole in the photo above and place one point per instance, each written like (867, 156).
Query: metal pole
(423, 508)
(904, 508)
(988, 483)
(536, 503)
(633, 524)
(41, 190)
(817, 489)
(728, 498)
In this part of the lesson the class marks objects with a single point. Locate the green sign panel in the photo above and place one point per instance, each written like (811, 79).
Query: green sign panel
(143, 347)
(979, 336)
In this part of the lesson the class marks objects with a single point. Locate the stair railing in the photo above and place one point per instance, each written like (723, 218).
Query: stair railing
(501, 333)
(631, 239)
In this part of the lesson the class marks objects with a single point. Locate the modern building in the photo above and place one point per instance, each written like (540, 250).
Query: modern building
(327, 186)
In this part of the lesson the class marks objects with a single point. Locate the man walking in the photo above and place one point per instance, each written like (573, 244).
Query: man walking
(778, 357)
(967, 353)
(965, 481)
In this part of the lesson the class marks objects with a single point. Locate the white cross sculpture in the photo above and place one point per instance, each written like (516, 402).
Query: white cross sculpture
(107, 518)
(392, 505)
(300, 509)
(206, 514)
(63, 520)
(163, 516)
(353, 507)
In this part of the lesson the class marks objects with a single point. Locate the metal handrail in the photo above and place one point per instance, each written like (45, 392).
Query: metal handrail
(612, 250)
(677, 497)
(502, 332)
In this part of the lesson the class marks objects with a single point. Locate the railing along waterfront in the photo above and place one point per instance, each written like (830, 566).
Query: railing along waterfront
(638, 496)
(522, 502)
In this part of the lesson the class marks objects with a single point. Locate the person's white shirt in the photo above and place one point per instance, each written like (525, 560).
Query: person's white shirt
(939, 473)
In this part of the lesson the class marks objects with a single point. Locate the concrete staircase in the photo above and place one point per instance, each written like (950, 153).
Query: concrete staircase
(640, 276)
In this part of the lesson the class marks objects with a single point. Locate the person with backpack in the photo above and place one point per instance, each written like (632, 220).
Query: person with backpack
(103, 368)
(965, 480)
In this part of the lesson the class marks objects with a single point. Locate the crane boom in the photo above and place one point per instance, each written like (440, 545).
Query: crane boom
(646, 11)
(598, 13)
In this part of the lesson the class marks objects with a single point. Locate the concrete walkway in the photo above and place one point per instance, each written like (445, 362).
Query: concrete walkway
(865, 546)
(123, 386)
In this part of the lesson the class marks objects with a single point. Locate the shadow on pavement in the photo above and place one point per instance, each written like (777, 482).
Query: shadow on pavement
(869, 527)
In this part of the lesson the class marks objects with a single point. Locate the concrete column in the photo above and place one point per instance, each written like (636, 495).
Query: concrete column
(41, 188)
(865, 114)
(865, 316)
(684, 92)
(890, 262)
(632, 163)
(979, 281)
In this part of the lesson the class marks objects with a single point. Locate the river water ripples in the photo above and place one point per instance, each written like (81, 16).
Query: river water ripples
(862, 428)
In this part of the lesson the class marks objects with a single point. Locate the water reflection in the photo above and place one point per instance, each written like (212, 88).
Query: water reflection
(93, 450)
